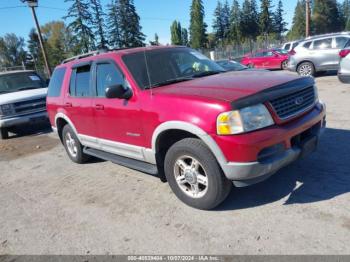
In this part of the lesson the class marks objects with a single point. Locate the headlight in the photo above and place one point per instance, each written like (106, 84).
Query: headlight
(7, 109)
(243, 120)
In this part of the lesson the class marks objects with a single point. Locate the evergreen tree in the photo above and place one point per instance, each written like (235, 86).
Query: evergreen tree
(99, 23)
(129, 24)
(280, 26)
(265, 19)
(197, 25)
(299, 22)
(347, 25)
(325, 17)
(249, 20)
(113, 26)
(124, 24)
(235, 19)
(344, 10)
(184, 36)
(176, 33)
(218, 26)
(81, 24)
(155, 42)
(221, 23)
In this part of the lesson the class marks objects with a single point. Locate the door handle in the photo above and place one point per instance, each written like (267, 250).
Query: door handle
(68, 104)
(99, 107)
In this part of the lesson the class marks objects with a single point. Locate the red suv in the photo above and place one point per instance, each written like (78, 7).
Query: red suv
(173, 112)
(267, 59)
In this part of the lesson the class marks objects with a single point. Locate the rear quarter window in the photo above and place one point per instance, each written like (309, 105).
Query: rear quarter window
(56, 82)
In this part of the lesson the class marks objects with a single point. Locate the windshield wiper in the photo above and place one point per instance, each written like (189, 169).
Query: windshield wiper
(171, 81)
(207, 73)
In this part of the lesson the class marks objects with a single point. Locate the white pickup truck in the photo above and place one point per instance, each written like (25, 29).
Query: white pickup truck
(22, 100)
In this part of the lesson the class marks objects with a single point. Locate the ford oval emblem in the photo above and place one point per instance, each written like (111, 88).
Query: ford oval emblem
(298, 101)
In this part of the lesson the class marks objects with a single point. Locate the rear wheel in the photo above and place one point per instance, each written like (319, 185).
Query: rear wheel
(194, 174)
(251, 65)
(72, 145)
(306, 69)
(284, 65)
(4, 134)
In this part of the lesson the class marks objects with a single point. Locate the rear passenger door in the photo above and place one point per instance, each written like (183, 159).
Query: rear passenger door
(78, 102)
(325, 55)
(117, 120)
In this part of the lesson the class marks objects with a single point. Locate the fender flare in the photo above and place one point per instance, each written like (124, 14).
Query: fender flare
(193, 129)
(66, 118)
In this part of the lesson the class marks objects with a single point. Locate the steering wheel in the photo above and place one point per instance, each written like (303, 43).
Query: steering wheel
(188, 71)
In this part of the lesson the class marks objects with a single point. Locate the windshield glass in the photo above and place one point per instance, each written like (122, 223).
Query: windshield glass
(13, 82)
(170, 65)
(231, 65)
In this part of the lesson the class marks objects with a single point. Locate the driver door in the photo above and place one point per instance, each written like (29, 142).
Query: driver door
(117, 120)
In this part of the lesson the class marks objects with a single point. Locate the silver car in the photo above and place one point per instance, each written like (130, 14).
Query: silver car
(344, 65)
(317, 54)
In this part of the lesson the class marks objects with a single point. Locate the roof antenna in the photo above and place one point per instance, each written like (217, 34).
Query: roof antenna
(147, 70)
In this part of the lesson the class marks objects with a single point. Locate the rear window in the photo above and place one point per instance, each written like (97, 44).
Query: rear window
(295, 45)
(341, 41)
(287, 47)
(56, 82)
(80, 82)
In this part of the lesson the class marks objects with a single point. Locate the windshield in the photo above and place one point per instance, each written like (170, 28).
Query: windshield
(14, 82)
(170, 65)
(231, 65)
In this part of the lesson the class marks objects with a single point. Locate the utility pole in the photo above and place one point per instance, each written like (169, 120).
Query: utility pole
(33, 4)
(307, 22)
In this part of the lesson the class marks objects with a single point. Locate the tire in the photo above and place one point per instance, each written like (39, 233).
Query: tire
(250, 66)
(284, 65)
(306, 69)
(72, 145)
(4, 134)
(202, 185)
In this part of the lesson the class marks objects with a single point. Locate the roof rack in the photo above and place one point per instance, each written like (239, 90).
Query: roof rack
(93, 53)
(325, 35)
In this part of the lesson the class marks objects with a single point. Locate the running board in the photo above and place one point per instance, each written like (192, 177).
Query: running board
(123, 161)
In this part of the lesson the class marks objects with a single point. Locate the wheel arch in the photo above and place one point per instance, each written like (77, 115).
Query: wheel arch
(61, 120)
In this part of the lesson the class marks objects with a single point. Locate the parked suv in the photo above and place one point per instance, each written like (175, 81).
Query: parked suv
(173, 112)
(22, 100)
(317, 54)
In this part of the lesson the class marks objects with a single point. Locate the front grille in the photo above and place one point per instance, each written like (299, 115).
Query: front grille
(30, 106)
(295, 103)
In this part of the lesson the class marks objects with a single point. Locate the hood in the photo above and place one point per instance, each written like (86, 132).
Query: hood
(22, 95)
(228, 86)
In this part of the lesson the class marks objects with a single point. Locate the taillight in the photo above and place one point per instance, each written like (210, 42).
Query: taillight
(343, 53)
(292, 52)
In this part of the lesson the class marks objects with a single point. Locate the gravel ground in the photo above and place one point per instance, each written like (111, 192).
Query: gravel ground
(49, 205)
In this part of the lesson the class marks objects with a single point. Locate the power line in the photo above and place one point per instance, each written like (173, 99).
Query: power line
(11, 7)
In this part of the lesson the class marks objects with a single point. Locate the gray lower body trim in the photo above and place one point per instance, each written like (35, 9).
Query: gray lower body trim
(245, 174)
(121, 149)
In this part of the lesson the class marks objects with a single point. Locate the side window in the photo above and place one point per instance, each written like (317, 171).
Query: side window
(107, 75)
(307, 45)
(296, 44)
(258, 55)
(287, 47)
(340, 42)
(323, 43)
(56, 82)
(80, 82)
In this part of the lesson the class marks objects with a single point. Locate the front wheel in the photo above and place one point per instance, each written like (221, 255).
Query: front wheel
(4, 134)
(194, 175)
(306, 69)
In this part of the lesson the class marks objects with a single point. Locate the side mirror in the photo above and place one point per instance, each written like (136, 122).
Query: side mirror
(118, 91)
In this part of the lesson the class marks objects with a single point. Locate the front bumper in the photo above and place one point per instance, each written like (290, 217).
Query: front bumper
(301, 144)
(23, 119)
